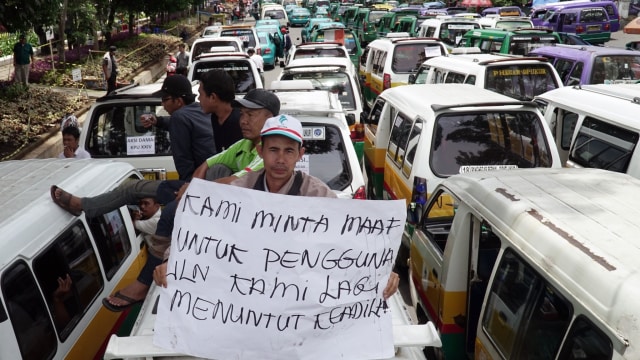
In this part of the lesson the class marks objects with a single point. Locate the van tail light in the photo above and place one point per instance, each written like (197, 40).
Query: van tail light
(607, 27)
(364, 27)
(267, 51)
(360, 194)
(386, 81)
(259, 51)
(579, 29)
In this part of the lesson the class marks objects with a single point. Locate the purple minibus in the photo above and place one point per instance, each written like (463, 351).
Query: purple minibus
(581, 65)
(541, 14)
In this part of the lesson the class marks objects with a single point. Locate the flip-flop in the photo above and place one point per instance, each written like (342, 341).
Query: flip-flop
(64, 201)
(118, 308)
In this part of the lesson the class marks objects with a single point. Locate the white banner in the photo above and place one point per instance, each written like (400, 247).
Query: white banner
(141, 145)
(255, 275)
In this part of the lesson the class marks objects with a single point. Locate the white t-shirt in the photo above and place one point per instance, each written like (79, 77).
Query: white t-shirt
(259, 62)
(80, 154)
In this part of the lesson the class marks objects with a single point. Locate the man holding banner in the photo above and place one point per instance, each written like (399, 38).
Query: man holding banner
(211, 313)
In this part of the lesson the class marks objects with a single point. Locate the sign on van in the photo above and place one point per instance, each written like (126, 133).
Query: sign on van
(476, 168)
(141, 145)
(293, 275)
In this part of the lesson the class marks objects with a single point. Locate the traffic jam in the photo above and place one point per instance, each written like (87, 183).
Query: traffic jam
(434, 182)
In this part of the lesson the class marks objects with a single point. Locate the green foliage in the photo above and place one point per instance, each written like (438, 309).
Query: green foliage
(53, 78)
(7, 40)
(13, 91)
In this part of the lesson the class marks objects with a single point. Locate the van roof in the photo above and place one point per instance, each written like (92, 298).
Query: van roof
(320, 62)
(622, 102)
(584, 228)
(28, 216)
(461, 62)
(582, 51)
(421, 99)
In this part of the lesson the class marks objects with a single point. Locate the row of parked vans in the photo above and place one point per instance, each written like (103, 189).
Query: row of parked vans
(491, 256)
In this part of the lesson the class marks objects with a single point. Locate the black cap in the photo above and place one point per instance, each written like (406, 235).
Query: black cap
(259, 99)
(112, 48)
(175, 86)
(22, 35)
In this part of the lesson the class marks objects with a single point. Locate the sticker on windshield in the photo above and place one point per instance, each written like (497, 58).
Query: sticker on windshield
(313, 133)
(475, 168)
(303, 164)
(431, 51)
(141, 145)
(461, 26)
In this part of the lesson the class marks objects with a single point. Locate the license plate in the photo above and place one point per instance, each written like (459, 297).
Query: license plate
(593, 28)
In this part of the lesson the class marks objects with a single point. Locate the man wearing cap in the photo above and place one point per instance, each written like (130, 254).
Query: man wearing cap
(190, 130)
(22, 59)
(110, 68)
(280, 149)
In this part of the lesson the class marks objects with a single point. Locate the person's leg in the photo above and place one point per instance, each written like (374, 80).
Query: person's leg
(26, 73)
(165, 224)
(138, 289)
(19, 74)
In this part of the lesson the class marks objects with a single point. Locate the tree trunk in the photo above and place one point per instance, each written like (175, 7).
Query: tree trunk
(132, 23)
(61, 34)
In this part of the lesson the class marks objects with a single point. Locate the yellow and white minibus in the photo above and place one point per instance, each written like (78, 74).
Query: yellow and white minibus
(531, 264)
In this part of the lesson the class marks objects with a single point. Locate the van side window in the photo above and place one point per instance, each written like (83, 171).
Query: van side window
(71, 254)
(524, 309)
(412, 147)
(438, 76)
(380, 63)
(438, 217)
(471, 79)
(376, 113)
(603, 145)
(586, 340)
(28, 313)
(115, 124)
(454, 78)
(575, 75)
(363, 58)
(398, 138)
(112, 240)
(569, 120)
(431, 31)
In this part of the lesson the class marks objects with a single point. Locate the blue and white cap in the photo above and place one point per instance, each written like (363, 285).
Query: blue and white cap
(284, 125)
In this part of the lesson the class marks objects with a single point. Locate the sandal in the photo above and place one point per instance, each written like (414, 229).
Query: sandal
(118, 308)
(64, 201)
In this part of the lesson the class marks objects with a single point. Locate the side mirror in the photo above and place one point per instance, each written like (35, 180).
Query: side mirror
(412, 78)
(351, 119)
(364, 117)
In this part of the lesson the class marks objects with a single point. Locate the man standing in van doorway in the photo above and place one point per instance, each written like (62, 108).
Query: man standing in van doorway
(190, 130)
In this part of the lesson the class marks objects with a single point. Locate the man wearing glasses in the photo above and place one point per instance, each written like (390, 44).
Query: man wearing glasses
(190, 129)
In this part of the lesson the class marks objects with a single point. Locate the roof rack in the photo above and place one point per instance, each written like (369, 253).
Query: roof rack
(436, 107)
(610, 91)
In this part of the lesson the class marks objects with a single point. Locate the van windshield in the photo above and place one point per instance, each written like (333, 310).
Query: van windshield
(488, 139)
(612, 69)
(520, 81)
(407, 58)
(334, 81)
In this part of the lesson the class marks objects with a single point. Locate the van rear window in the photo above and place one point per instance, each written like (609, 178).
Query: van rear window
(239, 70)
(246, 35)
(451, 33)
(407, 58)
(326, 157)
(524, 44)
(520, 81)
(334, 81)
(488, 138)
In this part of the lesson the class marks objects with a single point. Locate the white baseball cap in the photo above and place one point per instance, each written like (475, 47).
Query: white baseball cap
(284, 125)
